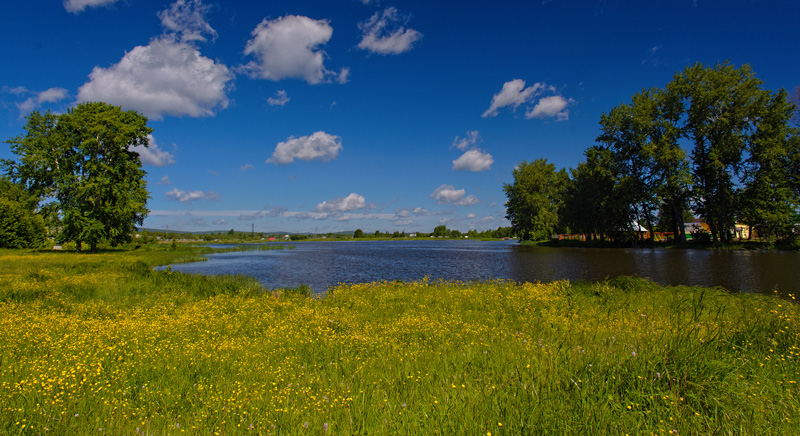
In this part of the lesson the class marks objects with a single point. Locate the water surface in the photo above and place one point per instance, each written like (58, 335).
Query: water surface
(323, 264)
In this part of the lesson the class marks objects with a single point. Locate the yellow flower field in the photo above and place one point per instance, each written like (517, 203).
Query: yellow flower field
(100, 344)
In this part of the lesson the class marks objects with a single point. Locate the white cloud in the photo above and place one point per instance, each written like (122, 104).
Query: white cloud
(280, 99)
(346, 204)
(152, 154)
(409, 212)
(51, 95)
(165, 181)
(187, 19)
(343, 76)
(467, 201)
(514, 93)
(219, 222)
(288, 47)
(166, 77)
(246, 167)
(384, 34)
(76, 6)
(449, 194)
(190, 196)
(473, 160)
(318, 146)
(473, 137)
(552, 106)
(270, 213)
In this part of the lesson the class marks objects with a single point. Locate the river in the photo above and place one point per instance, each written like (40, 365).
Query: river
(323, 264)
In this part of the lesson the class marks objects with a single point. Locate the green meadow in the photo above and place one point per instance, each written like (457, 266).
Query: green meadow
(102, 344)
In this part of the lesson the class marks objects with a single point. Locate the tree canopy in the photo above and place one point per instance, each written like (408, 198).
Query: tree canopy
(80, 165)
(712, 142)
(20, 225)
(534, 199)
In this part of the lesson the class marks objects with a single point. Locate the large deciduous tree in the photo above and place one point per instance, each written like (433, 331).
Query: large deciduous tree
(83, 161)
(723, 106)
(769, 200)
(592, 205)
(534, 199)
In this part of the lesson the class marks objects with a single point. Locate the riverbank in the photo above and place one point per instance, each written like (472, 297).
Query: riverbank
(101, 344)
(688, 245)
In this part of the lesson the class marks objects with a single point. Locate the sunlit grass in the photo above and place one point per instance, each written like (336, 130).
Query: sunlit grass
(100, 344)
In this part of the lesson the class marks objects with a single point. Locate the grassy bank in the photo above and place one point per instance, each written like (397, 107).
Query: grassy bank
(100, 344)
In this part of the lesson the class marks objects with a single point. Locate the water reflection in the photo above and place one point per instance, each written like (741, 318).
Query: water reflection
(324, 264)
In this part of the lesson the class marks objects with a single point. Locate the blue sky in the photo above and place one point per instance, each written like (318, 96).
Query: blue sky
(318, 116)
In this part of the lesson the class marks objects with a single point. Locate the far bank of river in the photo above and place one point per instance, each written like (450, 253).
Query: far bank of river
(321, 264)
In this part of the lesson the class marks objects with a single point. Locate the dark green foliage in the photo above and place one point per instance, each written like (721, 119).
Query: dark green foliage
(743, 167)
(83, 160)
(592, 205)
(20, 225)
(534, 199)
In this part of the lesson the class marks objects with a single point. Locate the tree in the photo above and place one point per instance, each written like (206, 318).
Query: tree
(670, 164)
(20, 225)
(534, 199)
(769, 200)
(795, 100)
(723, 105)
(358, 234)
(625, 133)
(592, 205)
(83, 160)
(440, 231)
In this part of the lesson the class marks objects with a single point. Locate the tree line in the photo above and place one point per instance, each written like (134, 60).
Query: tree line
(440, 231)
(711, 144)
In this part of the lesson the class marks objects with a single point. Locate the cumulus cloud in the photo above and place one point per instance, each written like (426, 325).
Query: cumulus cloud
(168, 76)
(51, 95)
(318, 146)
(384, 33)
(473, 160)
(189, 196)
(219, 222)
(472, 138)
(514, 93)
(449, 194)
(152, 154)
(280, 99)
(553, 106)
(165, 77)
(289, 47)
(165, 181)
(345, 204)
(187, 19)
(76, 6)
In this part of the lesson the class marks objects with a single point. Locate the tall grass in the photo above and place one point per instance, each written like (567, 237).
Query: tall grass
(101, 344)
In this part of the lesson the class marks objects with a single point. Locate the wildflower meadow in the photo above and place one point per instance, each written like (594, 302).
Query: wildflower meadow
(94, 344)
